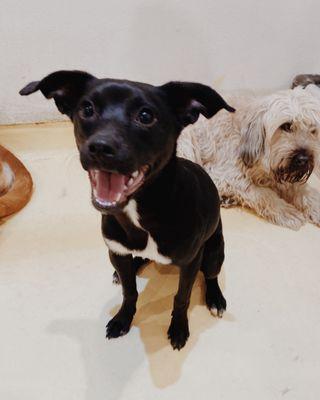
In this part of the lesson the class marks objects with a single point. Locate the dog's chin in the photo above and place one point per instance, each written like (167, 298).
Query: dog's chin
(292, 176)
(111, 191)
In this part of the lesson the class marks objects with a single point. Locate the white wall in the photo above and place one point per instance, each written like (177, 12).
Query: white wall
(230, 44)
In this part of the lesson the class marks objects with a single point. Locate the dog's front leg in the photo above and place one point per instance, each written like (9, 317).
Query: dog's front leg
(307, 199)
(137, 263)
(178, 332)
(269, 205)
(120, 324)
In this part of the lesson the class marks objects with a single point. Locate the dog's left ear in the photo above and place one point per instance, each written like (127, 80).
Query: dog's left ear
(65, 87)
(188, 100)
(252, 137)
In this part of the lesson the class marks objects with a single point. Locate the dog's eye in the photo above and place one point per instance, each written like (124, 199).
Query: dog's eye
(287, 126)
(313, 131)
(87, 110)
(145, 117)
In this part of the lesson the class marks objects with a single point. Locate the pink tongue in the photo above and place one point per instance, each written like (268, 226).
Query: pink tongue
(110, 186)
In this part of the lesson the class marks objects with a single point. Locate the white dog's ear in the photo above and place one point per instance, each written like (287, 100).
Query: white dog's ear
(252, 140)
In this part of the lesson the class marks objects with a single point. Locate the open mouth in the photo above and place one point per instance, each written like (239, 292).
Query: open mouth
(111, 189)
(283, 176)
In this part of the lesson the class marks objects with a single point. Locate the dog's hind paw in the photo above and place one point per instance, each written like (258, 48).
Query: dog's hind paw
(217, 312)
(216, 303)
(115, 278)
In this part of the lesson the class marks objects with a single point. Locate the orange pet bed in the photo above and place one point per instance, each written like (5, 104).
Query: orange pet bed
(15, 184)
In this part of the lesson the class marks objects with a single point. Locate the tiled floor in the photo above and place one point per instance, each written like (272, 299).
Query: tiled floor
(56, 295)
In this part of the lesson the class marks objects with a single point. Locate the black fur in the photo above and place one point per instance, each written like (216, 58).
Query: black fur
(178, 204)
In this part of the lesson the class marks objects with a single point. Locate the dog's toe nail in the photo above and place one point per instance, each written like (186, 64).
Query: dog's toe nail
(213, 311)
(217, 312)
(220, 313)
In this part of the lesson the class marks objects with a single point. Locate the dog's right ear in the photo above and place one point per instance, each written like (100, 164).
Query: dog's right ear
(65, 87)
(252, 141)
(188, 100)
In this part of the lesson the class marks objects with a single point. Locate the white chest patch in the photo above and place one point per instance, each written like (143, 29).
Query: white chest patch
(150, 251)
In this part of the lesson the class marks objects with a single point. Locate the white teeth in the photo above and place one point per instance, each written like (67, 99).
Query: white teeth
(130, 182)
(135, 174)
(118, 197)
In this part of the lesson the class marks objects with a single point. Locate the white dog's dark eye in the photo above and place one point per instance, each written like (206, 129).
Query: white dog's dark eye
(287, 126)
(145, 117)
(313, 131)
(87, 110)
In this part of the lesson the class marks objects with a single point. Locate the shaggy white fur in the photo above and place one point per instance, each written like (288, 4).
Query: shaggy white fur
(262, 155)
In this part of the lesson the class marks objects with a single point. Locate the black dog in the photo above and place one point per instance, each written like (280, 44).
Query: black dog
(154, 205)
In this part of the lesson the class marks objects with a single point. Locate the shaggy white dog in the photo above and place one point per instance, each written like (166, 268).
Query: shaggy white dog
(262, 155)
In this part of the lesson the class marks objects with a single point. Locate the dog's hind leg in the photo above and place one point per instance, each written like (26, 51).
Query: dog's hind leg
(213, 257)
(138, 262)
(120, 324)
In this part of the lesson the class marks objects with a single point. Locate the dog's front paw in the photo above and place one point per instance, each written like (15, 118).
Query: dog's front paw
(312, 214)
(308, 202)
(289, 217)
(178, 332)
(118, 326)
(314, 218)
(294, 222)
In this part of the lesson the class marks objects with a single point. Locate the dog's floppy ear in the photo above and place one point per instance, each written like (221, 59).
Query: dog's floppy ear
(188, 100)
(65, 87)
(252, 140)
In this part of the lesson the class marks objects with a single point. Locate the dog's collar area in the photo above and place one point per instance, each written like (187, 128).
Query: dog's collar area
(111, 190)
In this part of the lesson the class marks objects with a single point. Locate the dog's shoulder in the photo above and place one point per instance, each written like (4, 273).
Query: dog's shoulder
(194, 186)
(190, 172)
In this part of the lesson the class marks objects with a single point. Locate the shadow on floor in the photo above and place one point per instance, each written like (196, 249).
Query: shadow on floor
(121, 358)
(153, 318)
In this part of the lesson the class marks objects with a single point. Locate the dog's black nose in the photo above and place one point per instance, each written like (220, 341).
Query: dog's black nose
(100, 147)
(301, 159)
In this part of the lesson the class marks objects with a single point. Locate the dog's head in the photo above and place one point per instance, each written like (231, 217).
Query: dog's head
(126, 132)
(280, 134)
